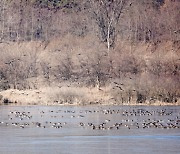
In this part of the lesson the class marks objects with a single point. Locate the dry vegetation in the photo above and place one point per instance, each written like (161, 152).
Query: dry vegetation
(71, 53)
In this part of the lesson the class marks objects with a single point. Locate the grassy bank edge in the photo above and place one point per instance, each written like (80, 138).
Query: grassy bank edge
(70, 96)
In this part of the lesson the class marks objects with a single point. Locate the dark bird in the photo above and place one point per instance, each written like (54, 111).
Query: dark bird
(119, 87)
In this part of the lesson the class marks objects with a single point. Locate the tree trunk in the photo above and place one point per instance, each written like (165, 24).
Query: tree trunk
(97, 82)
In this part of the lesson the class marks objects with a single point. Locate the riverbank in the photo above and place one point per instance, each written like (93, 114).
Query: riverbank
(82, 74)
(72, 96)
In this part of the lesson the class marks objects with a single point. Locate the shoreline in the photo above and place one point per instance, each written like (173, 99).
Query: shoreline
(71, 96)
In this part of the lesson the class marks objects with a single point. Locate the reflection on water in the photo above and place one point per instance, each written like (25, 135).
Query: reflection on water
(89, 129)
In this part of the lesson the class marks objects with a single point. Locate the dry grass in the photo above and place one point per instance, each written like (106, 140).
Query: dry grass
(53, 96)
(59, 72)
(74, 96)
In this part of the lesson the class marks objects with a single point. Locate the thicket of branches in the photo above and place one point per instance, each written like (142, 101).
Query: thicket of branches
(135, 20)
(103, 60)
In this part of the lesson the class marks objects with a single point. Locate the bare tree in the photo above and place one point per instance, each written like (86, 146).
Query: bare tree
(107, 14)
(3, 8)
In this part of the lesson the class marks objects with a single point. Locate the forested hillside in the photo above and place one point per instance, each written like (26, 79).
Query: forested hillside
(129, 50)
(133, 20)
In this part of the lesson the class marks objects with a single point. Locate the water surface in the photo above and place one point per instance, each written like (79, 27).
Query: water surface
(89, 129)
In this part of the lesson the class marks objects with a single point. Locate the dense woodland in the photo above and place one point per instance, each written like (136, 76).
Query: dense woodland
(134, 20)
(131, 45)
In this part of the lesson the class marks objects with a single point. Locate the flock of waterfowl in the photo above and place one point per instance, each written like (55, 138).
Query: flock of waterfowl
(94, 119)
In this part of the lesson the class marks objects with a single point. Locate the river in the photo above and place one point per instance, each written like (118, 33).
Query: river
(89, 129)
